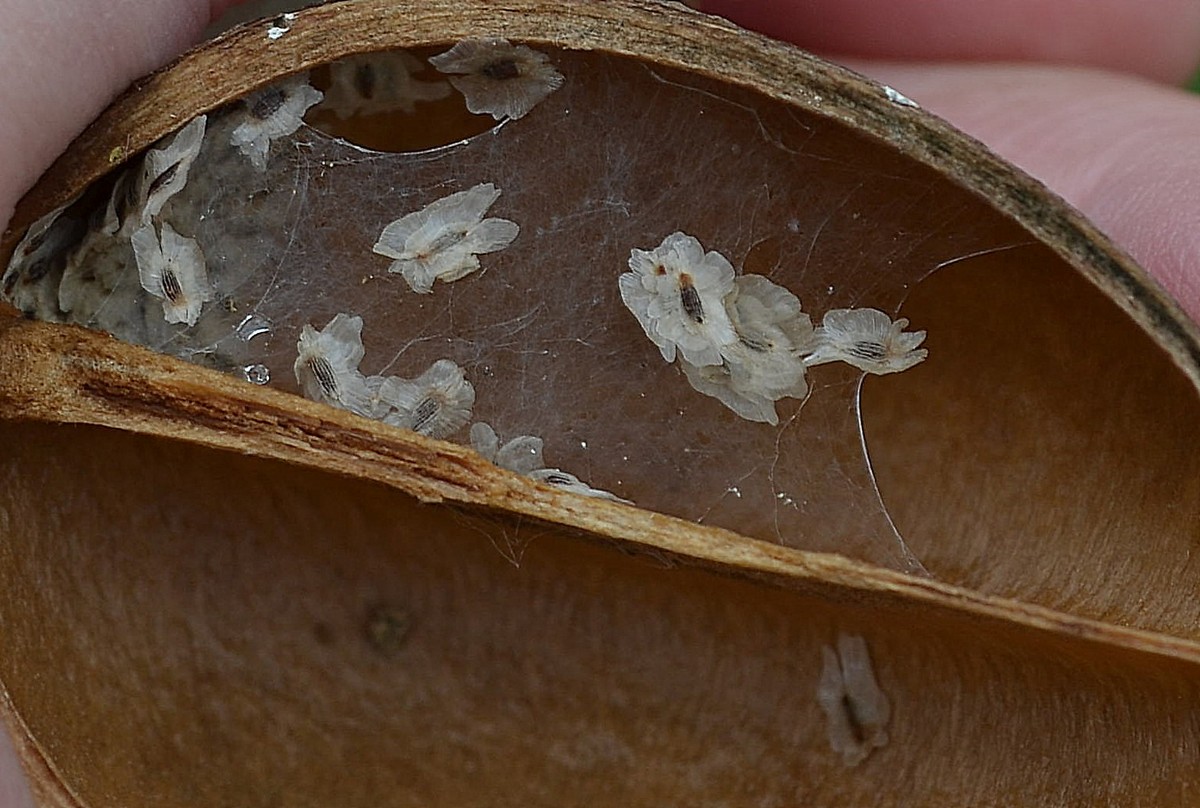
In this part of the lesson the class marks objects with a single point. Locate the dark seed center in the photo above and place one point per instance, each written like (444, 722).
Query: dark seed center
(443, 242)
(171, 286)
(268, 103)
(34, 244)
(693, 307)
(754, 344)
(162, 179)
(856, 727)
(501, 70)
(424, 414)
(325, 375)
(868, 350)
(364, 81)
(38, 269)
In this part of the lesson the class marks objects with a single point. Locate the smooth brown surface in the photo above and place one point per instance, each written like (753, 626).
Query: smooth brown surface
(208, 629)
(1047, 451)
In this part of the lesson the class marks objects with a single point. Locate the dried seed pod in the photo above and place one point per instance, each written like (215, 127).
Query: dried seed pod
(632, 658)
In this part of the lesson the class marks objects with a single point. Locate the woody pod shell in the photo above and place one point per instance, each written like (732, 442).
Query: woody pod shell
(214, 593)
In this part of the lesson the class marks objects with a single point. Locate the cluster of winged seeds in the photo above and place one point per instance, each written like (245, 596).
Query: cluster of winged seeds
(743, 339)
(740, 338)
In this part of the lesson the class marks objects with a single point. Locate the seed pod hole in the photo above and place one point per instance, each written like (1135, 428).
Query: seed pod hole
(392, 101)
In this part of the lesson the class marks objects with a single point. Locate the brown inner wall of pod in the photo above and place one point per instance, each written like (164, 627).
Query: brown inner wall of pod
(203, 637)
(1047, 451)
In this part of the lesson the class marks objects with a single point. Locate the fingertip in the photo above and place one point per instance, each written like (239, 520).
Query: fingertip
(219, 7)
(1120, 149)
(70, 63)
(1158, 39)
(14, 788)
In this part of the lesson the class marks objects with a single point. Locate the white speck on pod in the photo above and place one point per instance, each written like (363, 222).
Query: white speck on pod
(498, 78)
(867, 339)
(172, 268)
(272, 113)
(279, 27)
(856, 708)
(896, 97)
(442, 240)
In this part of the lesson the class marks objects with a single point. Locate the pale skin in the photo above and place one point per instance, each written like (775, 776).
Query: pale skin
(1083, 94)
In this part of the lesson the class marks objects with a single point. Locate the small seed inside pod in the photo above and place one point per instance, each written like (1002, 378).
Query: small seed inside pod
(268, 103)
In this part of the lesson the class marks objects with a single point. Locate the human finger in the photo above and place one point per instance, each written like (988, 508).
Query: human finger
(1158, 39)
(1122, 150)
(71, 62)
(14, 792)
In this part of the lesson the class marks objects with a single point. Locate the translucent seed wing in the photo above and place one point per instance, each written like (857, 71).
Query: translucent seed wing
(177, 158)
(467, 206)
(147, 254)
(491, 235)
(521, 454)
(342, 340)
(484, 440)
